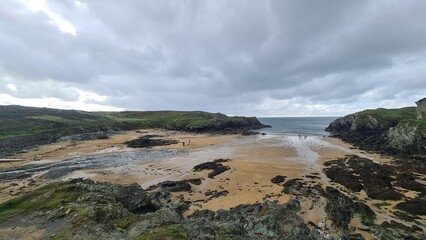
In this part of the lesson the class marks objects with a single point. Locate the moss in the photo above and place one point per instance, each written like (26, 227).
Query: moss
(162, 234)
(364, 219)
(125, 223)
(46, 198)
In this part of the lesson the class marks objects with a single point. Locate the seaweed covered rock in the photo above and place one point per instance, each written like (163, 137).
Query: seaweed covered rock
(340, 209)
(357, 173)
(176, 186)
(150, 141)
(278, 179)
(216, 166)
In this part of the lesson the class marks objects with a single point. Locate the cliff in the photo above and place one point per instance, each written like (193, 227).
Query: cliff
(390, 131)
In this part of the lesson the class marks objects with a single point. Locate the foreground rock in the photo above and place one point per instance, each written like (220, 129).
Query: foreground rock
(82, 209)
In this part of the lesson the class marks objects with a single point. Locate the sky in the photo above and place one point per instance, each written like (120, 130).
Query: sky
(254, 58)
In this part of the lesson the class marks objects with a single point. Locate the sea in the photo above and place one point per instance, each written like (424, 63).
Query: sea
(305, 126)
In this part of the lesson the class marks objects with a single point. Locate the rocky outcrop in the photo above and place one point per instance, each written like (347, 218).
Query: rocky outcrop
(82, 209)
(421, 108)
(403, 135)
(389, 131)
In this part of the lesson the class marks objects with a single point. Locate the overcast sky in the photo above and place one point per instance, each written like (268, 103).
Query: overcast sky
(262, 58)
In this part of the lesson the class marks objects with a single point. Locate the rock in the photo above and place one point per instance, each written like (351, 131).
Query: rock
(257, 221)
(408, 181)
(341, 208)
(249, 133)
(357, 173)
(216, 194)
(195, 181)
(216, 166)
(416, 206)
(364, 228)
(175, 186)
(149, 141)
(134, 198)
(278, 179)
(421, 108)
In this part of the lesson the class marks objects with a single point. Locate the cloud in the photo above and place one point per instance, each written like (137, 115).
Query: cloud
(239, 57)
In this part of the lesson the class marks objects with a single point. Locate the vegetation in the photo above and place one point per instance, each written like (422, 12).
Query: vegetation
(162, 234)
(52, 196)
(391, 114)
(17, 121)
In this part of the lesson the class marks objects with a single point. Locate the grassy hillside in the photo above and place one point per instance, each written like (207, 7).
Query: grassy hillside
(390, 116)
(23, 128)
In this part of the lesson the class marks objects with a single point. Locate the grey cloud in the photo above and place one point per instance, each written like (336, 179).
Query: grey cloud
(227, 56)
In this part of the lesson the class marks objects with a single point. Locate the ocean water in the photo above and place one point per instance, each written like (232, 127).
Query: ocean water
(309, 126)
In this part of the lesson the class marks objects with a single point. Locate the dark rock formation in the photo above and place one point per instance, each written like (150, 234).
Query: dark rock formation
(257, 221)
(150, 141)
(195, 181)
(216, 166)
(175, 186)
(249, 133)
(356, 173)
(341, 208)
(416, 206)
(278, 179)
(216, 194)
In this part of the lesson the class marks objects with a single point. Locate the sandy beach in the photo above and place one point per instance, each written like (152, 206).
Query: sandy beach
(254, 161)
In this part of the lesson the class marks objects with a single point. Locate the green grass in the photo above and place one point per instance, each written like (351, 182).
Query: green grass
(163, 234)
(391, 114)
(125, 223)
(52, 118)
(49, 197)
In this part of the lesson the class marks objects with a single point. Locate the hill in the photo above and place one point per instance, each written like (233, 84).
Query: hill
(23, 128)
